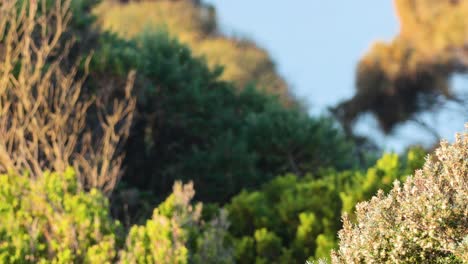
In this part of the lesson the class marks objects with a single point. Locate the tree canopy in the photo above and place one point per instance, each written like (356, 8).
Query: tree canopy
(195, 24)
(193, 125)
(397, 80)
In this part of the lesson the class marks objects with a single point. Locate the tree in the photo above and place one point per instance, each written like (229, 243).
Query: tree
(396, 81)
(195, 25)
(193, 126)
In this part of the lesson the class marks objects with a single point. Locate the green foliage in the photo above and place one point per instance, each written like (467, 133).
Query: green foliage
(291, 219)
(267, 246)
(177, 234)
(291, 141)
(163, 239)
(115, 54)
(212, 246)
(193, 126)
(82, 17)
(423, 220)
(52, 219)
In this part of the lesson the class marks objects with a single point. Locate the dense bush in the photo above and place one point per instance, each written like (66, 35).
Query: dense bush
(193, 126)
(291, 219)
(52, 219)
(423, 220)
(411, 74)
(177, 234)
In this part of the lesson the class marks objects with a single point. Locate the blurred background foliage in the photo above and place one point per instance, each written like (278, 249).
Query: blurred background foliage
(395, 81)
(195, 24)
(192, 125)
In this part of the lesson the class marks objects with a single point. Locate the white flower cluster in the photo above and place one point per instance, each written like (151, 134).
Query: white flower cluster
(424, 220)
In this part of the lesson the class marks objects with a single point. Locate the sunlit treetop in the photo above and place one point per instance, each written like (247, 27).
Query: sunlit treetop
(195, 24)
(433, 27)
(411, 74)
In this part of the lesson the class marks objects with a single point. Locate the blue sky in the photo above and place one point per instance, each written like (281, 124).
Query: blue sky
(317, 44)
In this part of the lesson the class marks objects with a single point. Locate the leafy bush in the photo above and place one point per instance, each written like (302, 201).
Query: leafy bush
(191, 125)
(52, 219)
(292, 219)
(423, 220)
(176, 224)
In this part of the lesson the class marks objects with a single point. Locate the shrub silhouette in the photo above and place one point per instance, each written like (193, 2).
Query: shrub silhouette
(291, 219)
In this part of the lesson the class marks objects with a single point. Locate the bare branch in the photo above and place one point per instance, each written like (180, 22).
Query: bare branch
(43, 115)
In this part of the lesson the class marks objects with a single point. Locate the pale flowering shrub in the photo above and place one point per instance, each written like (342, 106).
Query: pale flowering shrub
(424, 220)
(211, 245)
(177, 234)
(163, 238)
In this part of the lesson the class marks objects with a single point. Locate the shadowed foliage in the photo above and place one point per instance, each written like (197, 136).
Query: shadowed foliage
(192, 125)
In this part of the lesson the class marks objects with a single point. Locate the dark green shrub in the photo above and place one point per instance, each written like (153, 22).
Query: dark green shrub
(193, 126)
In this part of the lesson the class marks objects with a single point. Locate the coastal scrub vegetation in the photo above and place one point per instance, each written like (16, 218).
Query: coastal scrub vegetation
(163, 141)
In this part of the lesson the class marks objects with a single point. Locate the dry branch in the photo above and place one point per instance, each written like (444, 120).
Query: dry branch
(43, 115)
